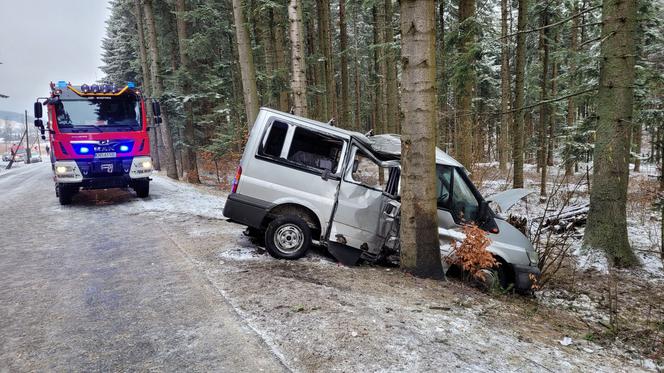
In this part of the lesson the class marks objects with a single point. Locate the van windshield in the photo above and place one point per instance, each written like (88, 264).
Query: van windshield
(454, 193)
(100, 114)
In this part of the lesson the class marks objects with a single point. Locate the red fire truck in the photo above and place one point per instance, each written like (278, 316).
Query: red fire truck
(98, 137)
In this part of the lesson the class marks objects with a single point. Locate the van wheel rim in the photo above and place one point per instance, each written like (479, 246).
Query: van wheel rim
(289, 238)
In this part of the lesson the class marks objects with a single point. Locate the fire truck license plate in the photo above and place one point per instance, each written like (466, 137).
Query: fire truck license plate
(105, 155)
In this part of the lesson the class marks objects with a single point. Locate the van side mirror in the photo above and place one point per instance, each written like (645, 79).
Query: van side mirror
(38, 110)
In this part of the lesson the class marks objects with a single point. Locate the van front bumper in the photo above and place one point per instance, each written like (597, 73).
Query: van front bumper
(525, 276)
(245, 210)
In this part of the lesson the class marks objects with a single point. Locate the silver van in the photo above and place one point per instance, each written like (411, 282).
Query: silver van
(304, 182)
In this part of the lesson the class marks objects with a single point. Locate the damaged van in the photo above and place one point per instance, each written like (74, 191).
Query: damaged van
(301, 182)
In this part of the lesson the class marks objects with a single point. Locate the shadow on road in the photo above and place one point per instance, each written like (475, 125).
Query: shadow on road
(103, 197)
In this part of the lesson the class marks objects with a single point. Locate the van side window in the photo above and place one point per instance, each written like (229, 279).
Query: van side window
(368, 173)
(315, 150)
(275, 140)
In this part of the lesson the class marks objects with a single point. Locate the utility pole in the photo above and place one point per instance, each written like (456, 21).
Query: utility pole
(27, 140)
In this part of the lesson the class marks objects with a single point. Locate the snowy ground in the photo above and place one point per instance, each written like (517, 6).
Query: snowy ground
(316, 315)
(583, 283)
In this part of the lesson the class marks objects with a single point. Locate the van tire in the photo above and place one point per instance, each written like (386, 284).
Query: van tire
(288, 237)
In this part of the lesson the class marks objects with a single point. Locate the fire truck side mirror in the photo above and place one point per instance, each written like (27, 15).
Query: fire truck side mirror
(38, 110)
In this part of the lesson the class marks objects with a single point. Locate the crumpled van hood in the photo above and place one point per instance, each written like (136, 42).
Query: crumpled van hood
(507, 199)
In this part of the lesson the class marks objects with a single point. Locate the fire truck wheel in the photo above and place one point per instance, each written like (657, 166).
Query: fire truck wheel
(65, 194)
(142, 188)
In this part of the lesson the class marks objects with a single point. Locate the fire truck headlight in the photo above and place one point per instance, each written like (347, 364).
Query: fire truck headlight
(61, 169)
(141, 167)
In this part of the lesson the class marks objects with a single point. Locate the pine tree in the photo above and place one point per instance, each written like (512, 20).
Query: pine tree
(298, 80)
(420, 254)
(607, 220)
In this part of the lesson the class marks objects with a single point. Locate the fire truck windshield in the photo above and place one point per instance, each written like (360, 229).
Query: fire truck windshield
(103, 114)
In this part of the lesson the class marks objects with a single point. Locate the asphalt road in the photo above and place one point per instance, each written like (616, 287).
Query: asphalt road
(97, 286)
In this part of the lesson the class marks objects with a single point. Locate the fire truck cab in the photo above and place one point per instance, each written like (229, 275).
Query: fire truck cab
(98, 137)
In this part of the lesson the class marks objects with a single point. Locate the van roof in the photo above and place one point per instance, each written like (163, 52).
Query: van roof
(387, 145)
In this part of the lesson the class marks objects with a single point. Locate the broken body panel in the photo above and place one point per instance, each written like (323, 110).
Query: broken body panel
(345, 186)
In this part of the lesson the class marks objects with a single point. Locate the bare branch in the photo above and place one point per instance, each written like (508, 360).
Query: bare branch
(553, 24)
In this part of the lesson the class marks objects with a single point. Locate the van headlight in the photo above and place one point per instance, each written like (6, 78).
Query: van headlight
(533, 257)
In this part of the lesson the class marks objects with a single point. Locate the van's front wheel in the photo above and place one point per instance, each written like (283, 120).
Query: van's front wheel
(288, 237)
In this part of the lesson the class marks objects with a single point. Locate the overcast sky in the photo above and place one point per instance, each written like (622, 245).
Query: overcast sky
(48, 40)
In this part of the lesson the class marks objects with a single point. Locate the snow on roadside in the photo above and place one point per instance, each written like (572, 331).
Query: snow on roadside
(172, 197)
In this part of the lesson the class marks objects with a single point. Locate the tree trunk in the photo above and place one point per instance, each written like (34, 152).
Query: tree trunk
(637, 146)
(505, 89)
(147, 86)
(550, 147)
(326, 47)
(267, 41)
(280, 57)
(357, 117)
(607, 221)
(442, 87)
(517, 136)
(345, 80)
(298, 80)
(571, 108)
(157, 91)
(466, 83)
(392, 85)
(380, 68)
(544, 108)
(315, 75)
(191, 164)
(247, 68)
(420, 253)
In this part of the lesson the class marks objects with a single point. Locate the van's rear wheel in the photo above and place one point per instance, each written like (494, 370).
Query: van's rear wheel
(288, 237)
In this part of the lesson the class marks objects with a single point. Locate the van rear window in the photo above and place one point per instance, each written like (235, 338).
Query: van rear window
(275, 140)
(315, 150)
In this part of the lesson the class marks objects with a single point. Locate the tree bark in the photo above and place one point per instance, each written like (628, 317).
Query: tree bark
(505, 89)
(298, 79)
(550, 147)
(191, 163)
(357, 117)
(391, 80)
(326, 47)
(380, 68)
(637, 147)
(607, 220)
(247, 68)
(157, 90)
(280, 57)
(466, 83)
(345, 81)
(544, 108)
(316, 72)
(147, 86)
(420, 253)
(517, 136)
